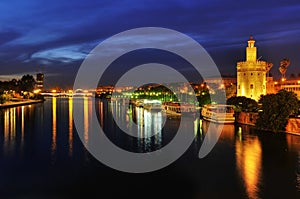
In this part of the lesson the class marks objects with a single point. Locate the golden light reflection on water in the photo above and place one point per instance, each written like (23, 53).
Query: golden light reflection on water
(9, 131)
(22, 126)
(293, 144)
(298, 172)
(101, 113)
(70, 138)
(53, 143)
(249, 161)
(12, 124)
(212, 130)
(85, 120)
(6, 130)
(228, 133)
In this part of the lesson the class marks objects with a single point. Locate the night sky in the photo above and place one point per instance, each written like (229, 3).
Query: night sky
(55, 36)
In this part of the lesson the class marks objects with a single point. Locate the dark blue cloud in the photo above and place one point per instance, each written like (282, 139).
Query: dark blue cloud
(59, 34)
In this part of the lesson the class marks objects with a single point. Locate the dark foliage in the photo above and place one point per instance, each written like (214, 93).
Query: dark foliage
(243, 104)
(276, 109)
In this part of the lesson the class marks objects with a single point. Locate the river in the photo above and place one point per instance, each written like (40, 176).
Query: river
(41, 156)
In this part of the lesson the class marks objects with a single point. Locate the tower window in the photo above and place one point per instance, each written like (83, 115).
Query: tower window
(251, 86)
(239, 86)
(244, 73)
(251, 74)
(257, 73)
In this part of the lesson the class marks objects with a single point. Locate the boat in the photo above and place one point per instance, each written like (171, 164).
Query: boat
(152, 105)
(178, 109)
(137, 103)
(218, 113)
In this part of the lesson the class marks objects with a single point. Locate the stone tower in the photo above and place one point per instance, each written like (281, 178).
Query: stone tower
(40, 81)
(251, 74)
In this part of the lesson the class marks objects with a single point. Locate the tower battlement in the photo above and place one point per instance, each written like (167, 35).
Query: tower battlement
(258, 65)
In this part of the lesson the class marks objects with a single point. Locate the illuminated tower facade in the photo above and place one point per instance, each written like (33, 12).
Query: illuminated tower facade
(251, 74)
(40, 81)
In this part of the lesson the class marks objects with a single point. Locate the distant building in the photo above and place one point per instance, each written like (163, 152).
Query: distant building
(222, 82)
(271, 86)
(251, 74)
(292, 85)
(228, 84)
(104, 91)
(40, 81)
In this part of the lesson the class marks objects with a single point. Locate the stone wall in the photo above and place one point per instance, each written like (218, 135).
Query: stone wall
(293, 125)
(246, 118)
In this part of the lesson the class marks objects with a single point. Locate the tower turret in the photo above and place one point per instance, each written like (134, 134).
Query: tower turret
(251, 50)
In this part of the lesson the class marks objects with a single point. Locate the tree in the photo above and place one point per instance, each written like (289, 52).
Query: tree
(204, 95)
(230, 91)
(276, 109)
(27, 83)
(243, 104)
(284, 63)
(4, 98)
(204, 98)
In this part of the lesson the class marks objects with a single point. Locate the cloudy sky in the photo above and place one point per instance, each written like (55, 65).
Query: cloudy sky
(55, 36)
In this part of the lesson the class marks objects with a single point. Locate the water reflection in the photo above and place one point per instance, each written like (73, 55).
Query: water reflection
(212, 130)
(53, 143)
(13, 120)
(148, 126)
(249, 163)
(85, 121)
(197, 129)
(70, 140)
(298, 172)
(9, 131)
(48, 136)
(22, 126)
(293, 143)
(101, 113)
(12, 124)
(6, 130)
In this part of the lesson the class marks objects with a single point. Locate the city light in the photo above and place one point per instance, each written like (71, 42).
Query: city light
(36, 91)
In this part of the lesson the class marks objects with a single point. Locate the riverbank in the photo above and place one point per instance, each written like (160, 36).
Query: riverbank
(293, 126)
(11, 104)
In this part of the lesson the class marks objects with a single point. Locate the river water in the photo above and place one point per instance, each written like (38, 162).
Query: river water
(41, 156)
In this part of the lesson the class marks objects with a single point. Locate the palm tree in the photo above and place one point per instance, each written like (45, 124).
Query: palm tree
(283, 66)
